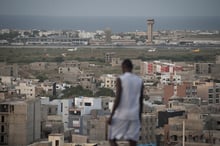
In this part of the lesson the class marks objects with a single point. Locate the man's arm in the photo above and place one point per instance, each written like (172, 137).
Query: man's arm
(117, 99)
(141, 102)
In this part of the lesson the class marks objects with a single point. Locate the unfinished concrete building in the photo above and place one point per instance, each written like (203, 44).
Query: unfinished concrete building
(148, 126)
(20, 122)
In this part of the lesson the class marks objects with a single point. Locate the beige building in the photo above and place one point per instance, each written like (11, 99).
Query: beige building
(20, 122)
(71, 70)
(27, 89)
(9, 70)
(56, 139)
(79, 138)
(109, 56)
(193, 127)
(48, 87)
(6, 80)
(87, 82)
(116, 61)
(209, 91)
(215, 72)
(107, 103)
(41, 143)
(97, 128)
(217, 59)
(203, 68)
(109, 81)
(72, 63)
(69, 73)
(143, 68)
(38, 65)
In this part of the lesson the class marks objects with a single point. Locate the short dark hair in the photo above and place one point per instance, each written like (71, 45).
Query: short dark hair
(127, 64)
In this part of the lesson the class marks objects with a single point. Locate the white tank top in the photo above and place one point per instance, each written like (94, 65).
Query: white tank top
(129, 105)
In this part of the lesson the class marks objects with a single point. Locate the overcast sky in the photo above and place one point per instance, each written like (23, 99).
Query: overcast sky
(111, 7)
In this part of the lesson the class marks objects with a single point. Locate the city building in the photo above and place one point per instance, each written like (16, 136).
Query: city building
(9, 70)
(7, 80)
(51, 41)
(38, 65)
(147, 132)
(109, 81)
(56, 139)
(63, 106)
(170, 79)
(26, 88)
(49, 88)
(186, 89)
(203, 68)
(108, 33)
(69, 74)
(209, 91)
(20, 122)
(158, 67)
(150, 23)
(82, 106)
(109, 56)
(95, 126)
(79, 138)
(116, 62)
(72, 63)
(87, 82)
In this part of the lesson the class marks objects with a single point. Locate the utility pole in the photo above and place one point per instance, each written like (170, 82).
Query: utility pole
(183, 132)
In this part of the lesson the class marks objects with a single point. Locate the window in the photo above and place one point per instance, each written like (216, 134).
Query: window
(3, 119)
(88, 104)
(2, 128)
(49, 110)
(2, 139)
(12, 108)
(210, 90)
(61, 107)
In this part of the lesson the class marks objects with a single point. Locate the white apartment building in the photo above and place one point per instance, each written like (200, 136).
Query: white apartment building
(83, 106)
(63, 109)
(86, 104)
(86, 35)
(168, 79)
(27, 89)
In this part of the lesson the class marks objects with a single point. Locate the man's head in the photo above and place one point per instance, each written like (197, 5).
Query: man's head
(127, 66)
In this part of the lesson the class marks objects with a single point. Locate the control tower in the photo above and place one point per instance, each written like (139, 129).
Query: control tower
(150, 23)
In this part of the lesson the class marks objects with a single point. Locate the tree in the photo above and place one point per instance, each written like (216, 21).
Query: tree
(42, 77)
(76, 91)
(105, 92)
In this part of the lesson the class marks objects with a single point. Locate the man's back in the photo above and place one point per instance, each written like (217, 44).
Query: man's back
(129, 106)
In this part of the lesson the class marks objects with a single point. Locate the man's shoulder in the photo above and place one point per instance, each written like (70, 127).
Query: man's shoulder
(137, 77)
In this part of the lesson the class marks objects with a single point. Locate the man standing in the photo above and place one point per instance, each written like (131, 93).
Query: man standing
(124, 121)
